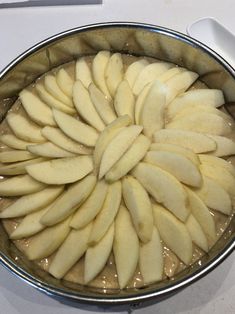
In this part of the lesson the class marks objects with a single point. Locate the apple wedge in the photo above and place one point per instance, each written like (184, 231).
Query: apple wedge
(67, 255)
(20, 185)
(217, 162)
(129, 160)
(133, 71)
(205, 97)
(197, 142)
(48, 241)
(174, 233)
(106, 136)
(36, 109)
(224, 146)
(69, 201)
(18, 167)
(61, 171)
(188, 153)
(176, 164)
(197, 234)
(53, 88)
(164, 188)
(114, 73)
(152, 115)
(76, 130)
(24, 129)
(107, 214)
(14, 142)
(214, 196)
(83, 72)
(65, 82)
(117, 147)
(140, 102)
(97, 256)
(138, 203)
(149, 74)
(125, 247)
(91, 207)
(85, 107)
(99, 65)
(52, 101)
(30, 203)
(201, 122)
(151, 259)
(102, 104)
(124, 101)
(15, 155)
(49, 149)
(170, 73)
(57, 137)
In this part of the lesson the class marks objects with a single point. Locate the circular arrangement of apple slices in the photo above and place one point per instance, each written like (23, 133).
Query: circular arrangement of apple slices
(118, 159)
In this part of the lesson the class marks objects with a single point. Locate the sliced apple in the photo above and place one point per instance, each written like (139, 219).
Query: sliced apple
(53, 88)
(170, 73)
(102, 104)
(67, 255)
(114, 73)
(52, 101)
(57, 137)
(91, 207)
(61, 171)
(188, 153)
(224, 146)
(107, 214)
(129, 160)
(214, 196)
(164, 188)
(202, 214)
(69, 201)
(174, 234)
(99, 65)
(85, 107)
(37, 110)
(20, 185)
(152, 115)
(48, 241)
(30, 203)
(107, 135)
(124, 101)
(125, 247)
(15, 155)
(218, 162)
(65, 82)
(117, 147)
(198, 143)
(24, 129)
(151, 259)
(196, 233)
(178, 165)
(133, 71)
(205, 97)
(202, 122)
(49, 149)
(19, 167)
(97, 256)
(148, 74)
(83, 72)
(139, 206)
(76, 130)
(140, 102)
(14, 142)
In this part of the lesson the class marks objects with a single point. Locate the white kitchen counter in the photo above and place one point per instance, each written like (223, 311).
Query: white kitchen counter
(20, 29)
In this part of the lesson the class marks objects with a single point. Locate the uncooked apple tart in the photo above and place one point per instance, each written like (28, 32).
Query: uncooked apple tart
(116, 170)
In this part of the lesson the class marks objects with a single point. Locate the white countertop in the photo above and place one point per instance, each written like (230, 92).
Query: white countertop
(20, 29)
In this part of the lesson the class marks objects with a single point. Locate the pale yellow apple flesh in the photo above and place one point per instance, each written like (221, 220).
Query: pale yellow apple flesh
(49, 150)
(11, 156)
(224, 146)
(114, 73)
(83, 72)
(133, 71)
(196, 233)
(218, 162)
(65, 82)
(14, 142)
(124, 100)
(19, 167)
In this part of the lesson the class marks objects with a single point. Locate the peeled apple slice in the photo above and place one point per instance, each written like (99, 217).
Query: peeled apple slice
(15, 155)
(133, 71)
(19, 167)
(12, 141)
(164, 77)
(114, 73)
(83, 72)
(224, 146)
(218, 162)
(49, 149)
(164, 188)
(196, 233)
(124, 101)
(140, 102)
(125, 247)
(24, 129)
(174, 233)
(65, 82)
(61, 171)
